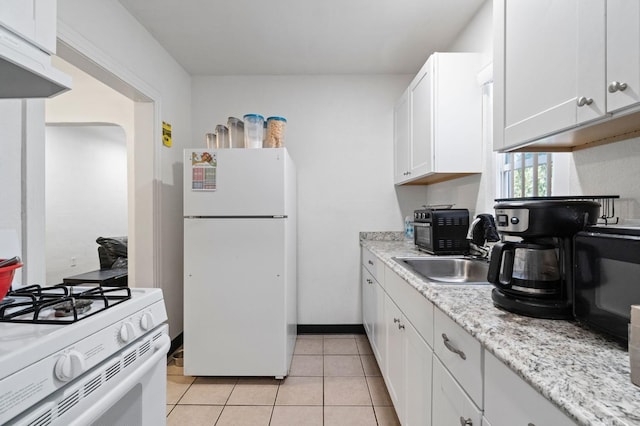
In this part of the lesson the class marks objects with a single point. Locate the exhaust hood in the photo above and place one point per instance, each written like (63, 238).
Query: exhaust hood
(26, 71)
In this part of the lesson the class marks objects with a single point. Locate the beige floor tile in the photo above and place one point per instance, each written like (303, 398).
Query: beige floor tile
(169, 408)
(343, 365)
(176, 387)
(340, 346)
(311, 336)
(300, 391)
(209, 390)
(174, 370)
(234, 415)
(340, 336)
(349, 416)
(364, 348)
(254, 391)
(346, 391)
(194, 415)
(296, 416)
(378, 390)
(308, 347)
(386, 416)
(307, 365)
(370, 365)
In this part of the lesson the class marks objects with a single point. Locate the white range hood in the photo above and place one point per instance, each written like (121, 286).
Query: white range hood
(26, 71)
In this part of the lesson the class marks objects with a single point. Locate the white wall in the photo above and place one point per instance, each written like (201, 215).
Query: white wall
(340, 135)
(105, 32)
(86, 195)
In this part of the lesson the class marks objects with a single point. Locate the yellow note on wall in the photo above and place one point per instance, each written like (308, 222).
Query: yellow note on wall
(166, 134)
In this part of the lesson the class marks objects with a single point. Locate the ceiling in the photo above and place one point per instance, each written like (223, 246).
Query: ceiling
(231, 37)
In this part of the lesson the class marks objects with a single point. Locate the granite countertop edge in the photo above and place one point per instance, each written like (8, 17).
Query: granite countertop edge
(584, 374)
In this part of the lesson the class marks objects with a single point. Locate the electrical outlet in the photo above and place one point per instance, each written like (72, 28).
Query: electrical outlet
(73, 262)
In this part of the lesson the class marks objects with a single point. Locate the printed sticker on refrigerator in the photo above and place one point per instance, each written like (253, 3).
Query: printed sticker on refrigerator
(203, 171)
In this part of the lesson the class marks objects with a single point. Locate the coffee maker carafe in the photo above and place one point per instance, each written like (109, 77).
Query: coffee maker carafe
(533, 276)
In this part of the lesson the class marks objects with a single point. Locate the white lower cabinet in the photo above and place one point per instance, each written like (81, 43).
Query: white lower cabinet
(408, 371)
(451, 405)
(509, 400)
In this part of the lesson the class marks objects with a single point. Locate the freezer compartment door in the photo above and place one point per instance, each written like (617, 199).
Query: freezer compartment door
(239, 182)
(235, 298)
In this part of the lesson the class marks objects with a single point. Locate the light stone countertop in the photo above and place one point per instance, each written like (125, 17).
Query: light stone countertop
(585, 374)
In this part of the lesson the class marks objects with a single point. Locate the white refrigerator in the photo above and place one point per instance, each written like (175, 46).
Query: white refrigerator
(240, 316)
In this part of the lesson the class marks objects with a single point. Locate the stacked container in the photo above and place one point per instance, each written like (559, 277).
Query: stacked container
(253, 130)
(222, 136)
(236, 132)
(275, 132)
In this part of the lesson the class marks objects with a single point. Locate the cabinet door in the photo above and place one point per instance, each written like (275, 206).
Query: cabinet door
(451, 406)
(418, 358)
(401, 139)
(395, 356)
(421, 122)
(623, 53)
(591, 90)
(540, 60)
(509, 400)
(368, 304)
(379, 331)
(33, 20)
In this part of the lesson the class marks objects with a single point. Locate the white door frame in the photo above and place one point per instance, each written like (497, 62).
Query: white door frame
(144, 213)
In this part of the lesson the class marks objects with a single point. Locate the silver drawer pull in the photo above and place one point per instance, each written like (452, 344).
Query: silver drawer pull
(452, 348)
(369, 281)
(396, 320)
(466, 422)
(370, 262)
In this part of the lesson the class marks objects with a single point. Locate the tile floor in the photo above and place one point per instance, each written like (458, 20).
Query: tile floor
(334, 381)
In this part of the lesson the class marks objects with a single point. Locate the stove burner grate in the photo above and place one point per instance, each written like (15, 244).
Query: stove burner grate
(68, 304)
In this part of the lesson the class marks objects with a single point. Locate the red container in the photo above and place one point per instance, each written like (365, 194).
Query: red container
(6, 278)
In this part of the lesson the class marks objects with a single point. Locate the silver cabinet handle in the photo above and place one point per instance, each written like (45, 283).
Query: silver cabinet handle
(400, 326)
(452, 348)
(396, 320)
(466, 422)
(582, 101)
(369, 281)
(370, 262)
(615, 86)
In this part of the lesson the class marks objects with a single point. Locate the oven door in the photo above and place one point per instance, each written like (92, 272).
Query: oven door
(127, 389)
(423, 236)
(606, 285)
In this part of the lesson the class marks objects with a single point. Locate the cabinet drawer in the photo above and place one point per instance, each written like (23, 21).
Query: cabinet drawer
(451, 406)
(509, 400)
(460, 353)
(373, 264)
(415, 306)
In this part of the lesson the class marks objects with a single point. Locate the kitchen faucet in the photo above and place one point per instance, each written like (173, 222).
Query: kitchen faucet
(481, 232)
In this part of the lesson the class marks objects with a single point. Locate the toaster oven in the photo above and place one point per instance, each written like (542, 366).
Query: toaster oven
(441, 231)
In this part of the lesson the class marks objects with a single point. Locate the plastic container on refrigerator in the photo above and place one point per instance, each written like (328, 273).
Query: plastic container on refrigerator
(222, 137)
(253, 130)
(275, 132)
(236, 132)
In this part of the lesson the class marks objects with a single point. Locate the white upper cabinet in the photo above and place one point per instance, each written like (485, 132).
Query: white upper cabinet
(33, 20)
(438, 121)
(563, 70)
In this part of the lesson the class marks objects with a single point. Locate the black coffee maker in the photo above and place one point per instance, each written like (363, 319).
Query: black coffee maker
(533, 276)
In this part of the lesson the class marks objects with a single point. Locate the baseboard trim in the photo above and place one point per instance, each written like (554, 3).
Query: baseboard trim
(330, 329)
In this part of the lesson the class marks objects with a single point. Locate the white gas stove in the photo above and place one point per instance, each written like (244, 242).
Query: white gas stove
(75, 355)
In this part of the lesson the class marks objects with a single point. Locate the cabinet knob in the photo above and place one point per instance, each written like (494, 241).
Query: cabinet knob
(370, 262)
(400, 326)
(582, 101)
(448, 345)
(396, 320)
(369, 281)
(466, 422)
(615, 86)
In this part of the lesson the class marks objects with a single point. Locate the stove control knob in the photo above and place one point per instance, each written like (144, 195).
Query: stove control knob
(126, 332)
(147, 321)
(69, 366)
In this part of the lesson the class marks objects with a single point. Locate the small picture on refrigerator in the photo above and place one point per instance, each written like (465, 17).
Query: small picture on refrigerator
(203, 171)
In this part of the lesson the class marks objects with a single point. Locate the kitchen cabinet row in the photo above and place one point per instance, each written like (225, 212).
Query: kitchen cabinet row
(437, 373)
(438, 121)
(566, 73)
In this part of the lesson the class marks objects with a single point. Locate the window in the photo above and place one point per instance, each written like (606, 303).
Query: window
(526, 174)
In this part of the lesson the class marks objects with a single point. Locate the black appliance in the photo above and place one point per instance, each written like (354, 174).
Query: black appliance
(533, 276)
(607, 278)
(441, 230)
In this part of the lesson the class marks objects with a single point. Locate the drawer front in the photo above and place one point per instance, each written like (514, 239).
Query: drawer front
(509, 400)
(460, 353)
(373, 264)
(451, 406)
(417, 309)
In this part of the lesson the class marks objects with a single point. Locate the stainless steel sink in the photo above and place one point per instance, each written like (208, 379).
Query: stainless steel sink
(447, 270)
